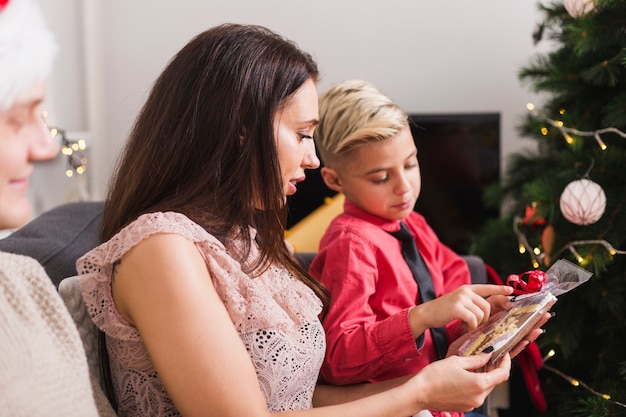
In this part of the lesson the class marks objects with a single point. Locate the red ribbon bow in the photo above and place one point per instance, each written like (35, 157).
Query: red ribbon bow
(529, 281)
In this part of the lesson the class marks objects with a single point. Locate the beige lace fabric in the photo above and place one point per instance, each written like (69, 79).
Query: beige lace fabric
(275, 315)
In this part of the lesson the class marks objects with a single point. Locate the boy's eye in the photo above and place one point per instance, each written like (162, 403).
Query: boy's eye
(380, 180)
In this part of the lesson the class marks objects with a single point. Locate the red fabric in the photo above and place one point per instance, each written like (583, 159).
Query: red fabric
(3, 3)
(529, 360)
(372, 289)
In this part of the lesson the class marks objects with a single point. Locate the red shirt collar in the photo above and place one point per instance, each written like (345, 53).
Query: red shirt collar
(355, 211)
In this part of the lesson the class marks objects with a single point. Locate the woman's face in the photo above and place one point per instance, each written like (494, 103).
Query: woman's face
(294, 125)
(24, 139)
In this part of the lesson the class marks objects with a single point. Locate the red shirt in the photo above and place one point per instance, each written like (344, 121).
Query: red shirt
(372, 289)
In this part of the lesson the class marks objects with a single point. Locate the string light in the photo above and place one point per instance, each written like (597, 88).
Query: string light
(575, 382)
(73, 150)
(568, 131)
(612, 251)
(565, 131)
(537, 255)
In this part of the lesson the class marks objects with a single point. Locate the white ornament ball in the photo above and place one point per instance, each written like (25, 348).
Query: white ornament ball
(583, 202)
(577, 8)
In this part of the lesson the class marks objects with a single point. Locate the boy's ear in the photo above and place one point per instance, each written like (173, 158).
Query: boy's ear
(331, 179)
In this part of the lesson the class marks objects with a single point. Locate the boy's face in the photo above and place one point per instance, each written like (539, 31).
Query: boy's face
(382, 178)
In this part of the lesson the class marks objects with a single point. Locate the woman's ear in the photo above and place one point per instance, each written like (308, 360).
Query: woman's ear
(331, 179)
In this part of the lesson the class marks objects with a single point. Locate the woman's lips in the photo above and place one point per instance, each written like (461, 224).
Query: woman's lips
(291, 188)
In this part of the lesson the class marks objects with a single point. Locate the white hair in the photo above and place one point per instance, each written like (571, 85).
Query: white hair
(27, 49)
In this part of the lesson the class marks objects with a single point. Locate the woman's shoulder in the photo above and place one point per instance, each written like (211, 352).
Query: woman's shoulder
(141, 228)
(165, 222)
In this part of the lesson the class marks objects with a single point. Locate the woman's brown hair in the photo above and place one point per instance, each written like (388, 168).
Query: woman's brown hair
(203, 143)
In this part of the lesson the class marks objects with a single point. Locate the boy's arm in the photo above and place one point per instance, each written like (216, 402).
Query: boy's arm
(449, 271)
(359, 344)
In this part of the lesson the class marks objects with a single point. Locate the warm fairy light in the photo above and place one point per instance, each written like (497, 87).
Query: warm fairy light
(74, 150)
(576, 254)
(565, 131)
(535, 264)
(537, 251)
(522, 249)
(600, 142)
(578, 383)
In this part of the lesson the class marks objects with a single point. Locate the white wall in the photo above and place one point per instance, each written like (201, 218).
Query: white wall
(429, 56)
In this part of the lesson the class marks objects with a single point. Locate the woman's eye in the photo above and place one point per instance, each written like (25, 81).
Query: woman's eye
(305, 136)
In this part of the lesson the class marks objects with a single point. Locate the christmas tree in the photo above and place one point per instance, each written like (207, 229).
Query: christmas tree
(567, 199)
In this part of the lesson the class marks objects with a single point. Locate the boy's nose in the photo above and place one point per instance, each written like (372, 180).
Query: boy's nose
(402, 185)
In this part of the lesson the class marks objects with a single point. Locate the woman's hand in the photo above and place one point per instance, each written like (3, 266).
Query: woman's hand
(458, 383)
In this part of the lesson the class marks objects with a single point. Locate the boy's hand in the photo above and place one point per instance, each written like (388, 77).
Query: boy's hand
(468, 303)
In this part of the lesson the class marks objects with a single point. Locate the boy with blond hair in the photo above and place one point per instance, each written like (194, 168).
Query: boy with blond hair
(380, 325)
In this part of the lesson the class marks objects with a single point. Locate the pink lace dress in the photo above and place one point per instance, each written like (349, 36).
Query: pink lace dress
(275, 315)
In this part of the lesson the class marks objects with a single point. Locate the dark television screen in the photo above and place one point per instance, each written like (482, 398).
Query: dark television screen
(459, 155)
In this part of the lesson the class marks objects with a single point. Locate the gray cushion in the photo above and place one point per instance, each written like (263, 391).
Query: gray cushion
(58, 237)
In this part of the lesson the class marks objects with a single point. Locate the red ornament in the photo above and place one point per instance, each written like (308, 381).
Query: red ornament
(531, 218)
(529, 281)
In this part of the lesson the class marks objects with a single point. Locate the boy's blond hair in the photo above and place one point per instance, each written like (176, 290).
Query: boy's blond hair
(353, 113)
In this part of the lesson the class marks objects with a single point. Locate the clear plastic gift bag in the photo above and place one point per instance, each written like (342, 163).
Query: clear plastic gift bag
(505, 329)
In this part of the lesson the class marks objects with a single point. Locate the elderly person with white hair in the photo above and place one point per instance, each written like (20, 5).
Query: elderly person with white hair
(43, 367)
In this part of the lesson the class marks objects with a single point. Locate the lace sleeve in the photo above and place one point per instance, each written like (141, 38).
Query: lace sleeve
(96, 266)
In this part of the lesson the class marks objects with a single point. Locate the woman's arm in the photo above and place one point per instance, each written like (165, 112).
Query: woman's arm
(162, 287)
(454, 384)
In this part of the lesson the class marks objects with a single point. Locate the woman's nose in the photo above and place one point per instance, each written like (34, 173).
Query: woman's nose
(43, 144)
(310, 160)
